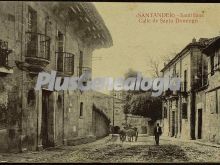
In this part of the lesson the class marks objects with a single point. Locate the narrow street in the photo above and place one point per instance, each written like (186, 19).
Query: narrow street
(112, 150)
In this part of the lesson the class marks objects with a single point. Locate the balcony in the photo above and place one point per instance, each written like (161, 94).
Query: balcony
(183, 88)
(171, 94)
(65, 63)
(200, 84)
(4, 52)
(167, 93)
(37, 51)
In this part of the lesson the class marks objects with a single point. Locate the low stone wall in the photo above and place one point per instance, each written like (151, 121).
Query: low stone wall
(81, 140)
(100, 123)
(140, 122)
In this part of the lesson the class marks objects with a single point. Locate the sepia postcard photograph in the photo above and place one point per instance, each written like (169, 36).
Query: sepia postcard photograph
(109, 82)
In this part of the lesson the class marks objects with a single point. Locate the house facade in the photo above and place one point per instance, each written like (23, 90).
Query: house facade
(210, 97)
(46, 36)
(179, 114)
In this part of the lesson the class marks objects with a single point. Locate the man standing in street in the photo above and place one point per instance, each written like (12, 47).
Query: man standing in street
(157, 133)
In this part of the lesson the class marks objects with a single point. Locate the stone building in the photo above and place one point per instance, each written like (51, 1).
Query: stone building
(208, 106)
(179, 107)
(45, 36)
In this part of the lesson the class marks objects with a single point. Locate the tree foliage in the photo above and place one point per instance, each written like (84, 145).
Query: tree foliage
(141, 102)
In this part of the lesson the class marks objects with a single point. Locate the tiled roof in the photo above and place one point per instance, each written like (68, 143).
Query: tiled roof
(202, 42)
(211, 45)
(94, 15)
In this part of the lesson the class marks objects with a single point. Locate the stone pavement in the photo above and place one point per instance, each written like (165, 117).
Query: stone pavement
(111, 150)
(198, 141)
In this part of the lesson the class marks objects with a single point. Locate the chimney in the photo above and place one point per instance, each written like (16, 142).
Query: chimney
(193, 40)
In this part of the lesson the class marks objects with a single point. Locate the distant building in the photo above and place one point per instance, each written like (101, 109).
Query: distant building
(118, 107)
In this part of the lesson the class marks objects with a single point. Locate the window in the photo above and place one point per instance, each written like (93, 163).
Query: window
(31, 97)
(184, 110)
(69, 63)
(60, 37)
(205, 72)
(32, 20)
(212, 64)
(11, 17)
(60, 49)
(81, 109)
(165, 112)
(219, 57)
(199, 70)
(212, 102)
(215, 61)
(48, 27)
(4, 52)
(174, 70)
(59, 99)
(185, 81)
(217, 101)
(80, 62)
(3, 117)
(32, 38)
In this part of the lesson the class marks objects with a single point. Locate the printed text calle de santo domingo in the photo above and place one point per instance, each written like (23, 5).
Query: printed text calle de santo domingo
(169, 18)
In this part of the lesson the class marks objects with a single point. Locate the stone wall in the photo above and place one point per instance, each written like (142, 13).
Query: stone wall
(140, 122)
(100, 123)
(212, 108)
(102, 114)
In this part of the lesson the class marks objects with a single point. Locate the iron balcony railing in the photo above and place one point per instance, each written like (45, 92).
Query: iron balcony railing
(4, 52)
(200, 83)
(37, 45)
(183, 86)
(65, 62)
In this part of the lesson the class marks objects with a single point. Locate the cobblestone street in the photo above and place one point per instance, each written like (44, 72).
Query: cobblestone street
(106, 150)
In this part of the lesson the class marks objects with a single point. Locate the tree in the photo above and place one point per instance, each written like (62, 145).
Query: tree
(154, 65)
(141, 102)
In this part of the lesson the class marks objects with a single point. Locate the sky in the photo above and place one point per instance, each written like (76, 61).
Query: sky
(135, 43)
